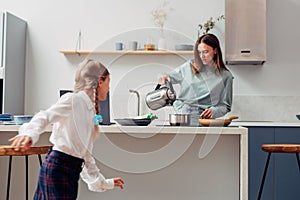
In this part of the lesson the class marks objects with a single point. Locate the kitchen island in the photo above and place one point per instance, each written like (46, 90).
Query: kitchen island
(159, 162)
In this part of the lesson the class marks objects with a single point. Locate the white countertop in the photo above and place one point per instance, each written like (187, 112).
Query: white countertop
(172, 130)
(157, 127)
(150, 129)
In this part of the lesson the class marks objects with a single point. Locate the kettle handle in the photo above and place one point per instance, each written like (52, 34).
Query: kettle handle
(169, 85)
(157, 87)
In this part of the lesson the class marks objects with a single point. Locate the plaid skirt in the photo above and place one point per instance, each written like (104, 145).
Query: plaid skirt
(59, 175)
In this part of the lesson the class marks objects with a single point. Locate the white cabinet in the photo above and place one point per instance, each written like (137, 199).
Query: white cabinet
(245, 32)
(12, 63)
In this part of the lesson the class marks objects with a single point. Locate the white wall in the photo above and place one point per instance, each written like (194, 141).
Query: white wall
(54, 25)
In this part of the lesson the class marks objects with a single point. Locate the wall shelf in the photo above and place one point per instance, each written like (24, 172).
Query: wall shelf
(140, 52)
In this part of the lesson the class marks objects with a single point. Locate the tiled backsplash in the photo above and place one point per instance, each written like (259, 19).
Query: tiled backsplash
(248, 108)
(266, 108)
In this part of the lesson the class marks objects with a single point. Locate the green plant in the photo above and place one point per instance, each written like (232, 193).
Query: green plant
(209, 25)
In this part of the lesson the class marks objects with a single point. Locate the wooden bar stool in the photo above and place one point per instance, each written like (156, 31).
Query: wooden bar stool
(277, 148)
(9, 151)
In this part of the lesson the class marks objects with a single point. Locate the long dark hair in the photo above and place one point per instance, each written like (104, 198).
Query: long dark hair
(212, 41)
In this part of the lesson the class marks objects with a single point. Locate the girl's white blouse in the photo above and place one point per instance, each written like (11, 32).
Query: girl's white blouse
(72, 133)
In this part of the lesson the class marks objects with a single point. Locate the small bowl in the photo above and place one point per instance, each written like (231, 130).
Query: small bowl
(21, 119)
(298, 116)
(183, 47)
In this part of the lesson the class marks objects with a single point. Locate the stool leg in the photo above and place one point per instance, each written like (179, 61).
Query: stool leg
(8, 177)
(26, 164)
(297, 155)
(264, 176)
(40, 159)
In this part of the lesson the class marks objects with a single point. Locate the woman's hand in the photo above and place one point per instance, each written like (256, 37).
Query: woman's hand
(119, 182)
(162, 80)
(206, 114)
(22, 143)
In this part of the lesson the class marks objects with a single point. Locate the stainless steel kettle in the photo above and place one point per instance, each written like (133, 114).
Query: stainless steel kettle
(161, 96)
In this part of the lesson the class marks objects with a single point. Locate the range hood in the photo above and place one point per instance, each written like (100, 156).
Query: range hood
(245, 32)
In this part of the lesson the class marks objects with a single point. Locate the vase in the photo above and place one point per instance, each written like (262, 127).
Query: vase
(162, 44)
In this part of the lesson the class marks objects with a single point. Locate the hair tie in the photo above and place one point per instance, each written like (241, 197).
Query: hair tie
(98, 119)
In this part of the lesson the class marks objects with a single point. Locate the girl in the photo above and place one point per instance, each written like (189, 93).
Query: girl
(74, 131)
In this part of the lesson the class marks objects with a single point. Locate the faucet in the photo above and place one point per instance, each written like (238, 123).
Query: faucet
(138, 96)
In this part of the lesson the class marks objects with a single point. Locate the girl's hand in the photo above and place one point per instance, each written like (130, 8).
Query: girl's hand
(206, 114)
(119, 182)
(22, 143)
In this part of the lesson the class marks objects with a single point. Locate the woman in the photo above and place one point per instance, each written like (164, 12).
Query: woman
(206, 83)
(74, 131)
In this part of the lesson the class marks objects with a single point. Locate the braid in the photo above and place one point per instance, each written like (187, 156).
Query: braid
(97, 107)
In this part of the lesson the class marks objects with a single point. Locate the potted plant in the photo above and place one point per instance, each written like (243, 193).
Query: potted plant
(209, 25)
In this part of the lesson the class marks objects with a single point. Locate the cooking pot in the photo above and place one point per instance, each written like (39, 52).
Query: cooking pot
(217, 122)
(179, 119)
(161, 96)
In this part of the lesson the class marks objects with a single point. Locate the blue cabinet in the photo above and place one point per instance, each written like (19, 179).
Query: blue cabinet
(287, 175)
(256, 162)
(283, 177)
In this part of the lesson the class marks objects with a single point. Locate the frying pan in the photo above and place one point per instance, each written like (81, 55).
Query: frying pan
(217, 122)
(133, 122)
